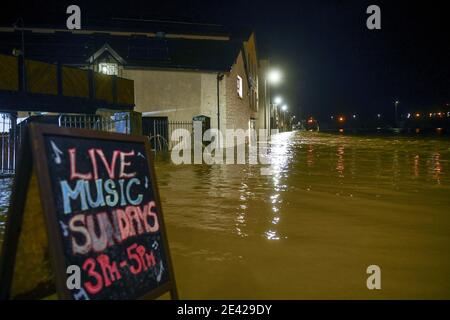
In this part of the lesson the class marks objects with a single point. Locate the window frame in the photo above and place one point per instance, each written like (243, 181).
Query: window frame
(240, 86)
(109, 65)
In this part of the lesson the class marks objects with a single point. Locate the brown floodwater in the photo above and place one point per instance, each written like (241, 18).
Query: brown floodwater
(334, 205)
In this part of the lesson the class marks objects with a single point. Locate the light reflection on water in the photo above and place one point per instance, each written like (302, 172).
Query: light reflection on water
(280, 155)
(5, 191)
(333, 205)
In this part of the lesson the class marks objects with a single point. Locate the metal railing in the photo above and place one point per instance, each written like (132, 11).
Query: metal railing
(116, 123)
(9, 140)
(173, 125)
(159, 130)
(161, 133)
(11, 132)
(11, 137)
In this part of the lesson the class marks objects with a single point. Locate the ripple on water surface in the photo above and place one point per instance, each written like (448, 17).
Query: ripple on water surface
(333, 205)
(5, 191)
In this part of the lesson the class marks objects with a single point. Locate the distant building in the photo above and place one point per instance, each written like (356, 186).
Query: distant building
(176, 74)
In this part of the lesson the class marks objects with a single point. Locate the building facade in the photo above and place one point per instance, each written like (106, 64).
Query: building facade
(177, 75)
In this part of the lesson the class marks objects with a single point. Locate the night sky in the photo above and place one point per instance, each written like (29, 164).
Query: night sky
(332, 62)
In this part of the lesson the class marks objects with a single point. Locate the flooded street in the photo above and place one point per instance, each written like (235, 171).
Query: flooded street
(5, 192)
(334, 205)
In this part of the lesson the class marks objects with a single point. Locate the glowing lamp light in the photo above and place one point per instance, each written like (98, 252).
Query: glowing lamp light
(341, 119)
(417, 115)
(278, 100)
(284, 108)
(274, 76)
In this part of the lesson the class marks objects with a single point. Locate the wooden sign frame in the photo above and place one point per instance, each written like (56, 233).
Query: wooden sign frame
(34, 148)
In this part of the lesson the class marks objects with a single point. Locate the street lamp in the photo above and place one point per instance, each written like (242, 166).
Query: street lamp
(278, 100)
(284, 108)
(273, 77)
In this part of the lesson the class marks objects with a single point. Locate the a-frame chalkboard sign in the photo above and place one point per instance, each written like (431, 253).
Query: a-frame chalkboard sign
(85, 202)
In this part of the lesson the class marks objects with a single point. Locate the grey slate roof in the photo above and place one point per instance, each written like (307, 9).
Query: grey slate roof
(136, 51)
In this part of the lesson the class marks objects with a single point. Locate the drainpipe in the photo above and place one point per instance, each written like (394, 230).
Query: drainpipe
(219, 78)
(20, 25)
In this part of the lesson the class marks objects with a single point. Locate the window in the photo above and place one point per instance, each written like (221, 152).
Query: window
(239, 87)
(108, 68)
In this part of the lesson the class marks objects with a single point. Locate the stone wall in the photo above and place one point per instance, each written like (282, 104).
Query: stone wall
(175, 94)
(181, 95)
(238, 112)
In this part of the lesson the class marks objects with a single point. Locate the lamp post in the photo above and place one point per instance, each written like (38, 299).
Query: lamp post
(396, 103)
(284, 108)
(277, 101)
(272, 77)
